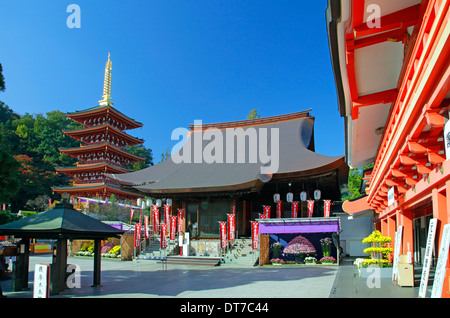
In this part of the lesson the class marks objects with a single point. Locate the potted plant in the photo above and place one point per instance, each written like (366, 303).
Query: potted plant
(310, 260)
(327, 260)
(300, 247)
(378, 255)
(326, 246)
(277, 261)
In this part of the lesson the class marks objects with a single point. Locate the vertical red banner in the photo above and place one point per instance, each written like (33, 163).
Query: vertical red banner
(223, 235)
(180, 220)
(267, 212)
(310, 208)
(166, 214)
(231, 226)
(146, 226)
(326, 208)
(155, 218)
(173, 227)
(255, 235)
(233, 209)
(137, 235)
(279, 209)
(163, 236)
(131, 214)
(294, 209)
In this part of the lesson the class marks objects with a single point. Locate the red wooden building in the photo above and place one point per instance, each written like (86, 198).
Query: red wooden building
(391, 61)
(102, 149)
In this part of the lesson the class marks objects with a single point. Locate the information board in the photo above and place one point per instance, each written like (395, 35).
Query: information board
(427, 258)
(439, 275)
(398, 244)
(41, 281)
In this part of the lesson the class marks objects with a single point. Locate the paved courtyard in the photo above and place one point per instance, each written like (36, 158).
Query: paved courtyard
(147, 279)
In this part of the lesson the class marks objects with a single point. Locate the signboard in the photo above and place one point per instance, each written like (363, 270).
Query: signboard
(223, 235)
(137, 235)
(397, 247)
(266, 212)
(294, 209)
(391, 196)
(231, 226)
(427, 258)
(439, 275)
(255, 235)
(41, 281)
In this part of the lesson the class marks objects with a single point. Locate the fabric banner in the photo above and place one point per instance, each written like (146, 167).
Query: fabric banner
(255, 235)
(166, 214)
(163, 235)
(279, 209)
(131, 214)
(326, 208)
(155, 218)
(310, 208)
(294, 209)
(146, 226)
(233, 209)
(223, 235)
(231, 226)
(137, 235)
(173, 227)
(267, 212)
(180, 220)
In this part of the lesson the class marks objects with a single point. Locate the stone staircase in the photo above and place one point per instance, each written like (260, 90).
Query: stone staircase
(241, 253)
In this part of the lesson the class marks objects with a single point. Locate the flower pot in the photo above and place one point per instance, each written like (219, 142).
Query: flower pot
(383, 272)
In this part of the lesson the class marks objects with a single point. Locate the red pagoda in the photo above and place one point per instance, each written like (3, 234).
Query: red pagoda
(102, 149)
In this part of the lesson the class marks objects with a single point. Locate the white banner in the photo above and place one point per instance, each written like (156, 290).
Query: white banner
(397, 247)
(41, 279)
(427, 258)
(439, 275)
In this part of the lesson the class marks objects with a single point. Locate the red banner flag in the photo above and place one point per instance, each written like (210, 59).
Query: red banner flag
(255, 235)
(233, 209)
(155, 218)
(267, 212)
(231, 226)
(326, 208)
(166, 214)
(279, 209)
(310, 208)
(131, 214)
(180, 220)
(294, 209)
(223, 235)
(137, 235)
(163, 235)
(173, 227)
(146, 226)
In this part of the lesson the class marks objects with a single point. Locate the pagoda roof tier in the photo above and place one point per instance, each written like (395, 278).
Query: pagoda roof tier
(105, 167)
(97, 113)
(105, 146)
(78, 134)
(98, 188)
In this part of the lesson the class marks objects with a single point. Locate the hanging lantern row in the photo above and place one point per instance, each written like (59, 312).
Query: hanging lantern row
(303, 196)
(149, 202)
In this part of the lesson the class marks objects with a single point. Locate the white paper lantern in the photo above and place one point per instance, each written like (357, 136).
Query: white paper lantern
(303, 195)
(158, 203)
(317, 194)
(276, 197)
(139, 202)
(289, 197)
(169, 202)
(149, 202)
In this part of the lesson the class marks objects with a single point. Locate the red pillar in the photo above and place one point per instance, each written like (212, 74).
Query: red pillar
(408, 233)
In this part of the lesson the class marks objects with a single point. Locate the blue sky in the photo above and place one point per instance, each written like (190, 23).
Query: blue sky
(174, 61)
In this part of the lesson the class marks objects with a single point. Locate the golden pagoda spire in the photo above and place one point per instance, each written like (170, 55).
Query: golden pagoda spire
(107, 84)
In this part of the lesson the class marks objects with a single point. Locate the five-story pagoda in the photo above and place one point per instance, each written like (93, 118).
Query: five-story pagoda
(102, 149)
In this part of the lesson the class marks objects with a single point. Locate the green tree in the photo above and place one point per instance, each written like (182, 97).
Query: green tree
(141, 151)
(9, 183)
(253, 114)
(354, 182)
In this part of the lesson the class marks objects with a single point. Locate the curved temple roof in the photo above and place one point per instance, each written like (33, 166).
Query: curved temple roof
(289, 140)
